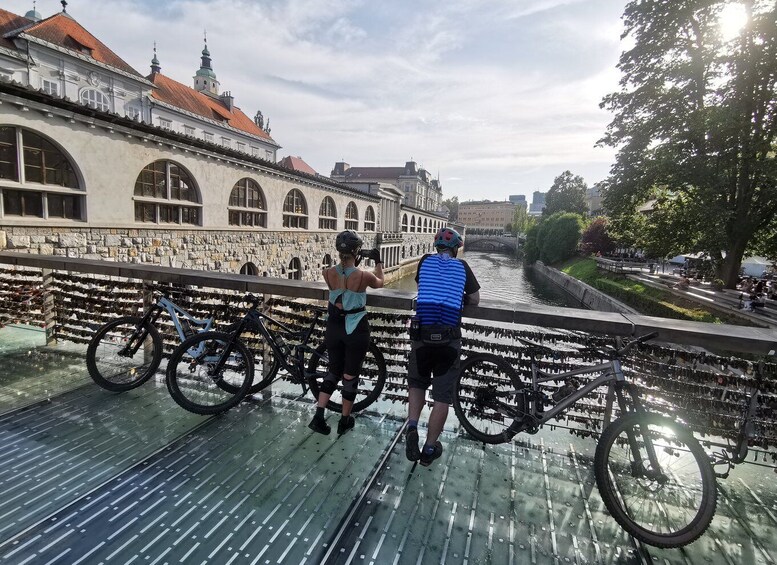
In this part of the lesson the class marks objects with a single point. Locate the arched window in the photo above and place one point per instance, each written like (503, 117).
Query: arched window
(327, 262)
(404, 223)
(295, 269)
(426, 226)
(166, 194)
(412, 224)
(351, 217)
(40, 181)
(247, 206)
(369, 219)
(295, 210)
(249, 269)
(327, 214)
(95, 99)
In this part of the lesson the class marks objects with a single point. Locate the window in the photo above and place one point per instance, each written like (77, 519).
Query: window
(327, 262)
(351, 217)
(247, 206)
(95, 99)
(50, 87)
(295, 269)
(268, 155)
(47, 182)
(404, 223)
(189, 130)
(369, 219)
(132, 113)
(164, 123)
(426, 226)
(327, 214)
(249, 269)
(170, 183)
(295, 210)
(207, 136)
(241, 146)
(412, 224)
(254, 151)
(226, 142)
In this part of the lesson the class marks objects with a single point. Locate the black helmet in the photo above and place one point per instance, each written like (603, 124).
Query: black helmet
(348, 241)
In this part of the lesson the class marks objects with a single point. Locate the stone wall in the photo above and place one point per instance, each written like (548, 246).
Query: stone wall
(586, 294)
(271, 252)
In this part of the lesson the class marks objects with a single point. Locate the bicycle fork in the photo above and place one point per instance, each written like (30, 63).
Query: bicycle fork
(638, 467)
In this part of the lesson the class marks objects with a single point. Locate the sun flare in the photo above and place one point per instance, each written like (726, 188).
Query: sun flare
(731, 21)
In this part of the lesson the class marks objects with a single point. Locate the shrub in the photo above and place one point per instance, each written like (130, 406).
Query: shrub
(559, 236)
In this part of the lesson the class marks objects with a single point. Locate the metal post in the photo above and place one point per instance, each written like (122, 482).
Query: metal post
(49, 309)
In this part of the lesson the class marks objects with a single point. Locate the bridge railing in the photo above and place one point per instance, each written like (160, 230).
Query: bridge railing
(70, 298)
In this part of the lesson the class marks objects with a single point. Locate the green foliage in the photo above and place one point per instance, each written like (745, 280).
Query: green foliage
(554, 239)
(453, 205)
(566, 195)
(530, 248)
(522, 221)
(596, 237)
(694, 122)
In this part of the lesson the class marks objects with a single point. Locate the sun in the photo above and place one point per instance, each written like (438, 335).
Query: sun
(731, 20)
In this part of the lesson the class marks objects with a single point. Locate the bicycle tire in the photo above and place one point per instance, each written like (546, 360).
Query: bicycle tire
(269, 361)
(202, 394)
(133, 372)
(676, 459)
(376, 367)
(480, 375)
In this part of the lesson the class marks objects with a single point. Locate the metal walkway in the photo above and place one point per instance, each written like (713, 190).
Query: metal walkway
(91, 477)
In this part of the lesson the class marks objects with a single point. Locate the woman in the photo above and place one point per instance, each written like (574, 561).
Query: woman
(347, 328)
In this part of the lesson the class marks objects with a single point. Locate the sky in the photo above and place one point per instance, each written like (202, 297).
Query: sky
(496, 97)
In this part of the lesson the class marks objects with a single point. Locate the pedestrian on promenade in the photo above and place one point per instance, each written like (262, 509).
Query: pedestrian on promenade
(347, 329)
(445, 284)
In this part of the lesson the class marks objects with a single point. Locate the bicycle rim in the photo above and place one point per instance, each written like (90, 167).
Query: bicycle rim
(113, 367)
(194, 382)
(669, 506)
(476, 402)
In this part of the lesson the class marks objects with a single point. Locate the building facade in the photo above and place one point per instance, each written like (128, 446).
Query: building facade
(537, 203)
(98, 161)
(486, 216)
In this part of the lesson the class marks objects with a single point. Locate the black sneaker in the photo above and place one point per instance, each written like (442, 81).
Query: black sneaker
(427, 458)
(318, 424)
(345, 424)
(411, 444)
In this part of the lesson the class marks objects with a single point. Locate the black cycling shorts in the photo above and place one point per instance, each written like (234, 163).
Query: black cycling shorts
(346, 351)
(439, 361)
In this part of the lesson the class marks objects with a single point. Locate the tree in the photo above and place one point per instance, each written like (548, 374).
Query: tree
(566, 195)
(453, 206)
(695, 119)
(596, 237)
(522, 221)
(559, 237)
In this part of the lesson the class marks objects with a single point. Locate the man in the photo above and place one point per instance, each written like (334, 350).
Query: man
(444, 285)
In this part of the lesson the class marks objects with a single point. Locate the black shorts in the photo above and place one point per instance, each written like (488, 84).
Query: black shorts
(439, 361)
(346, 351)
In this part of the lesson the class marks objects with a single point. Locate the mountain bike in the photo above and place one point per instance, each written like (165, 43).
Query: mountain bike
(654, 477)
(124, 353)
(211, 372)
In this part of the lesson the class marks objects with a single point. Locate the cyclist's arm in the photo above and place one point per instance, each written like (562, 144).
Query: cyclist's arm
(473, 298)
(375, 278)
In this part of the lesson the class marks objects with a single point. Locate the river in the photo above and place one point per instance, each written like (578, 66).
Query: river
(503, 277)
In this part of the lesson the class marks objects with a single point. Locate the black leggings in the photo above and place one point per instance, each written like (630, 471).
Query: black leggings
(346, 351)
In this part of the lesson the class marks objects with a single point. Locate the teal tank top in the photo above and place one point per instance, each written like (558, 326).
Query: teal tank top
(350, 299)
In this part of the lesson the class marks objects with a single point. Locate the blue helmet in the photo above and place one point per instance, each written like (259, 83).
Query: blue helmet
(448, 237)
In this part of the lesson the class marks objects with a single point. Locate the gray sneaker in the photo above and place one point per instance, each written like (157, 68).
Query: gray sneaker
(427, 458)
(411, 445)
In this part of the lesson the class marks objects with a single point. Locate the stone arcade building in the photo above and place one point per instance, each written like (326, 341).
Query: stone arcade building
(98, 161)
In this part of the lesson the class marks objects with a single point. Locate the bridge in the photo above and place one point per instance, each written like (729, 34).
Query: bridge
(494, 242)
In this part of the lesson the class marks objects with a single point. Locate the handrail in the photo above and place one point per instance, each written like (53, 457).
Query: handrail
(711, 336)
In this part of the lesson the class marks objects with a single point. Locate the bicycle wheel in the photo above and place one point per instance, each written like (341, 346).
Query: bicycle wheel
(669, 506)
(481, 412)
(371, 380)
(114, 368)
(191, 377)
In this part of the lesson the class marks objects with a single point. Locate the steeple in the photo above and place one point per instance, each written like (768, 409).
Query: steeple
(205, 78)
(155, 68)
(33, 14)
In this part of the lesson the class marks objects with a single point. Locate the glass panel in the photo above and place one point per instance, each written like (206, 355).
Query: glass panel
(190, 215)
(64, 206)
(8, 168)
(12, 202)
(23, 203)
(152, 181)
(234, 218)
(168, 214)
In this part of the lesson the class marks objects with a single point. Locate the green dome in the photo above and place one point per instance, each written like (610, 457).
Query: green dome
(203, 72)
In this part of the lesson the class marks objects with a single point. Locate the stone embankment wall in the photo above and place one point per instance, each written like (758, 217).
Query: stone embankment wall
(589, 296)
(271, 252)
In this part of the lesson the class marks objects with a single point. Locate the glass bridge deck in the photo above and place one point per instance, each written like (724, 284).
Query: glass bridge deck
(87, 476)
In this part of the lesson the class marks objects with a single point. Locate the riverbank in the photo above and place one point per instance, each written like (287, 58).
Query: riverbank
(643, 298)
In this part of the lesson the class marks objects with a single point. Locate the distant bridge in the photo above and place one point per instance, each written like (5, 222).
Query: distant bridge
(493, 243)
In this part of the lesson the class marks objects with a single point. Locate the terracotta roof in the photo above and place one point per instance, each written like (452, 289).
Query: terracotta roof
(10, 22)
(65, 32)
(297, 164)
(354, 173)
(181, 96)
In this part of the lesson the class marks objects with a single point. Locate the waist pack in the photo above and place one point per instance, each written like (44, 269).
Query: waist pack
(338, 314)
(434, 334)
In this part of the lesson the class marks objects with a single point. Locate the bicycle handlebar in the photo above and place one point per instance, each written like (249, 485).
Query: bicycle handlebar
(625, 349)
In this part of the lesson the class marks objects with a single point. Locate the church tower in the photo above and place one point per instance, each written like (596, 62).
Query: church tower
(205, 79)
